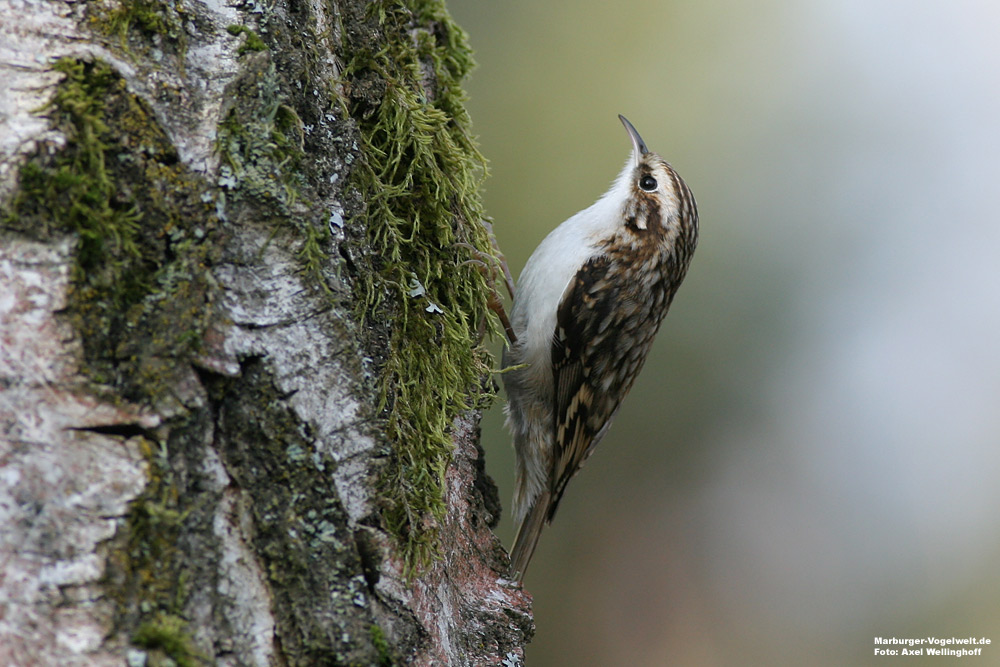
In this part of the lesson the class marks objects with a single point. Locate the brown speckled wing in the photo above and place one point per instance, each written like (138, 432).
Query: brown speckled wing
(585, 327)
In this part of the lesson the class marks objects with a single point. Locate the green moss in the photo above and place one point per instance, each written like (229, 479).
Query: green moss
(134, 22)
(253, 42)
(382, 646)
(420, 178)
(143, 228)
(140, 14)
(169, 633)
(76, 187)
(147, 567)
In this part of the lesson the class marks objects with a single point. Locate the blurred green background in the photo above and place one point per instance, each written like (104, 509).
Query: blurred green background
(811, 457)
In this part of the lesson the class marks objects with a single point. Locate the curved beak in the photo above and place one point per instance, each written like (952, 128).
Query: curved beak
(637, 142)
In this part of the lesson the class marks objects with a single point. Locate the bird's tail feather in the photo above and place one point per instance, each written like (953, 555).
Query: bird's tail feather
(527, 536)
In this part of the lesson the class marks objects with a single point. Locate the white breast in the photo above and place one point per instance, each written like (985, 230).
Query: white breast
(555, 263)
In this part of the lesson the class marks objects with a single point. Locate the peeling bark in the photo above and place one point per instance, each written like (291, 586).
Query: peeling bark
(190, 445)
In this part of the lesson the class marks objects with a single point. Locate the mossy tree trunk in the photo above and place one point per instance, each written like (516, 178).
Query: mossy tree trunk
(240, 339)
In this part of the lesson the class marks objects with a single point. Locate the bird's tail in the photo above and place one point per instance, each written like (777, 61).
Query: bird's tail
(527, 536)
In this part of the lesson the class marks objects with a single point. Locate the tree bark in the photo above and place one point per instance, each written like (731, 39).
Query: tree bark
(242, 299)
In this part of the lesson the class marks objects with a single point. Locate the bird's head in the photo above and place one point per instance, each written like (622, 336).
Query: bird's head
(656, 198)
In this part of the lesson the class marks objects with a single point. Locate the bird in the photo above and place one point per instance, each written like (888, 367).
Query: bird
(586, 307)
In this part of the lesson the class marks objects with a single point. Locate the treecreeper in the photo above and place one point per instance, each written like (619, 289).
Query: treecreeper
(586, 309)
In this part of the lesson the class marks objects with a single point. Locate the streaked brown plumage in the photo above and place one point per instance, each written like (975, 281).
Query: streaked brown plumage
(586, 308)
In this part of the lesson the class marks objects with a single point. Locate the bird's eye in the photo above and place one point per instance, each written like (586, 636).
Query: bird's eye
(647, 183)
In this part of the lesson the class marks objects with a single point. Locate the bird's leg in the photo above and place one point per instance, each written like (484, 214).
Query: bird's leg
(496, 305)
(490, 264)
(494, 302)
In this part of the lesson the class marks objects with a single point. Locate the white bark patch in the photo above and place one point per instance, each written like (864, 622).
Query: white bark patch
(30, 34)
(210, 64)
(242, 587)
(62, 491)
(266, 302)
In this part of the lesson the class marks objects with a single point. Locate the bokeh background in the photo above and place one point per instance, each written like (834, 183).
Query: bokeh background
(811, 457)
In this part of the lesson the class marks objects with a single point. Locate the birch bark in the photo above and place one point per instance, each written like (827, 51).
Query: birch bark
(191, 445)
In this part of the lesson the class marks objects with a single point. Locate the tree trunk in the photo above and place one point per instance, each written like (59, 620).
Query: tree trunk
(243, 290)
